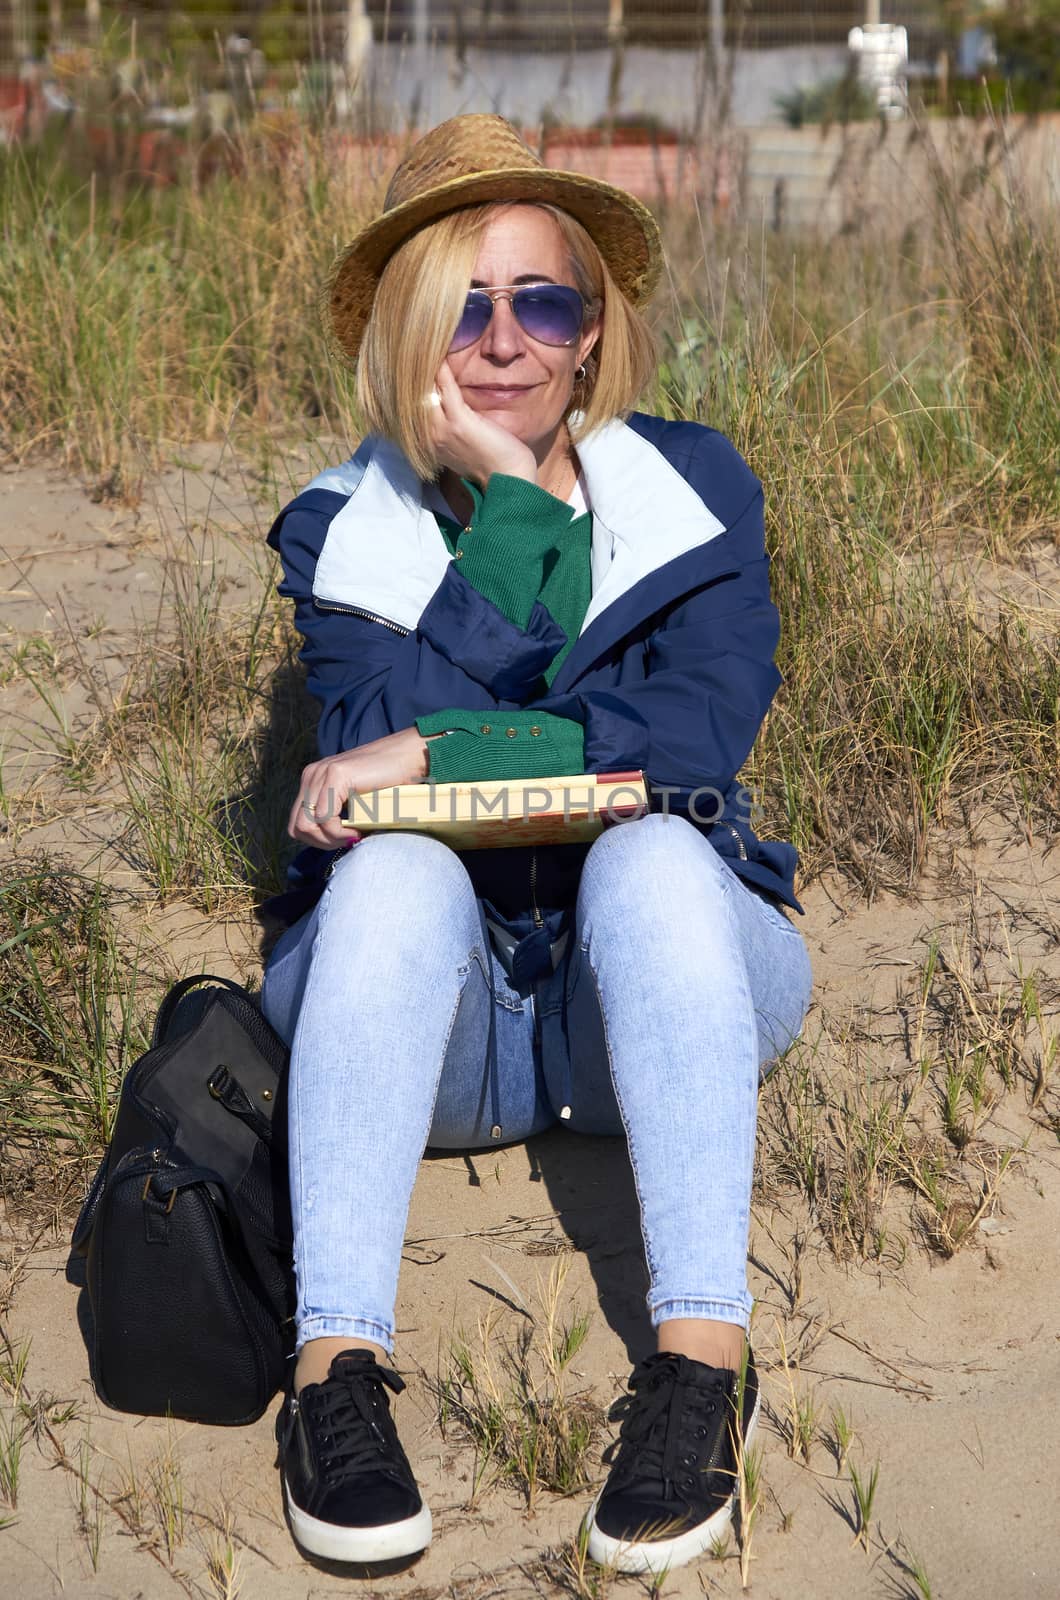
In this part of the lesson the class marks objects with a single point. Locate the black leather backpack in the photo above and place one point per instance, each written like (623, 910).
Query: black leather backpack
(186, 1228)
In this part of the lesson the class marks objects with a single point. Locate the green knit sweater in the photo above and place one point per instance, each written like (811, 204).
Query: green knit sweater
(521, 545)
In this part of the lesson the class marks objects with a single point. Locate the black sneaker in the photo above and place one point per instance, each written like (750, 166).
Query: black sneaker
(351, 1495)
(673, 1483)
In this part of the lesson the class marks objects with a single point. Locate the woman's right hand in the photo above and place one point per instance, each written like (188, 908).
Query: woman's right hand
(326, 785)
(470, 444)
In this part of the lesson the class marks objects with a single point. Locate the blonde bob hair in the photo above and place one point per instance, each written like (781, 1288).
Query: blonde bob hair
(417, 305)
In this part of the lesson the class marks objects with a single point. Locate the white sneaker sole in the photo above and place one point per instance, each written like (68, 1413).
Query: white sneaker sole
(658, 1556)
(333, 1542)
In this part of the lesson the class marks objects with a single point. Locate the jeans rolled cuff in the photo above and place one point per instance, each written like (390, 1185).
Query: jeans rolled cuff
(736, 1311)
(322, 1326)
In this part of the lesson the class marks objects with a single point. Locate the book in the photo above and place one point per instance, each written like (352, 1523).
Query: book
(498, 813)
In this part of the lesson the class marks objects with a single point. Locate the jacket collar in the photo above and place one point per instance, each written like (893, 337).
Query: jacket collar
(644, 513)
(384, 552)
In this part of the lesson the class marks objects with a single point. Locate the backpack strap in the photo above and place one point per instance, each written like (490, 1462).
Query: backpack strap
(179, 990)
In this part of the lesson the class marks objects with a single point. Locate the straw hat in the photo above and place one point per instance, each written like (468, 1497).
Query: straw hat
(467, 161)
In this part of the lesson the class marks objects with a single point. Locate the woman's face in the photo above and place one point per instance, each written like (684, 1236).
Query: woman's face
(516, 381)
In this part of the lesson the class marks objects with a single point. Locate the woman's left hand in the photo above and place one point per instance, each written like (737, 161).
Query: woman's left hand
(325, 785)
(471, 445)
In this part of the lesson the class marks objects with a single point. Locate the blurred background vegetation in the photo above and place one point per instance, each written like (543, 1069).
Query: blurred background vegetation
(961, 52)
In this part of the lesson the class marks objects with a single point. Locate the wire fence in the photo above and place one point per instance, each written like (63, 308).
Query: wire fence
(304, 31)
(684, 24)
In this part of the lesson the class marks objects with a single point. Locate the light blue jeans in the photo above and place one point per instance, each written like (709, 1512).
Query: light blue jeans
(677, 984)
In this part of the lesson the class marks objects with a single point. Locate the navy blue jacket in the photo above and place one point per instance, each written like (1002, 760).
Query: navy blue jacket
(672, 671)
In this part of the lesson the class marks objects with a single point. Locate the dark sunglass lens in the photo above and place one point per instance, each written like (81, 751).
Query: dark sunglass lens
(551, 313)
(474, 319)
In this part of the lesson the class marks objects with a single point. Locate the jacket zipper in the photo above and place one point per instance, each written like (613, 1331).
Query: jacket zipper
(740, 846)
(538, 919)
(359, 611)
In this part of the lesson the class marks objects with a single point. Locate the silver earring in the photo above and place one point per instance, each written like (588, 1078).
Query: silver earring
(580, 374)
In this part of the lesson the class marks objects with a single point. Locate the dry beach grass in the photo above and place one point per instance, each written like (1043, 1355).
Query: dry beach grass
(162, 387)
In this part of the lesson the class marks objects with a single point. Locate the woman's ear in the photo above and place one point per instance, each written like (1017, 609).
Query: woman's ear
(590, 337)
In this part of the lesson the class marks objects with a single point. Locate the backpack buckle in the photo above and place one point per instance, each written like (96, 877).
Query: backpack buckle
(170, 1203)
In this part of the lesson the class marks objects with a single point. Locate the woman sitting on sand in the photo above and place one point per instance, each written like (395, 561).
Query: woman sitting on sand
(515, 576)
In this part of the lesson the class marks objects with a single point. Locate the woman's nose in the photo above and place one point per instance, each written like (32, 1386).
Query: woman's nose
(503, 338)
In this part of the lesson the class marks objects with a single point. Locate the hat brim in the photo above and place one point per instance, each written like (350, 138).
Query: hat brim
(623, 230)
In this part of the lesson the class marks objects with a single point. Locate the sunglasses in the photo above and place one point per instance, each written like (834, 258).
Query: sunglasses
(551, 313)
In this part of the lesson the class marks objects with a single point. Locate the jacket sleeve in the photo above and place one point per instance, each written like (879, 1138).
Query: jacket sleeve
(372, 679)
(509, 744)
(709, 679)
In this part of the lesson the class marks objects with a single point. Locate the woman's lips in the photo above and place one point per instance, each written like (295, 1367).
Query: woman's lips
(501, 393)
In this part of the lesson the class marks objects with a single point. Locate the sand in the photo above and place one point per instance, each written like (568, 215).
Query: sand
(947, 1368)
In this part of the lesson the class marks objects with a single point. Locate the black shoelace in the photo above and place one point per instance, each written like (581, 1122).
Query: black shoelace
(669, 1424)
(351, 1425)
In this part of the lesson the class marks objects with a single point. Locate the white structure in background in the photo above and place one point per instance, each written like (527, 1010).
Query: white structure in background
(358, 41)
(881, 50)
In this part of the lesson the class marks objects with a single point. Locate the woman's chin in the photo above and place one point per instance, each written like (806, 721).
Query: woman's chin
(515, 419)
(509, 410)
(520, 427)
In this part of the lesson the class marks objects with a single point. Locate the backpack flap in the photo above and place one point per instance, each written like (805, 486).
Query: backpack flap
(218, 1092)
